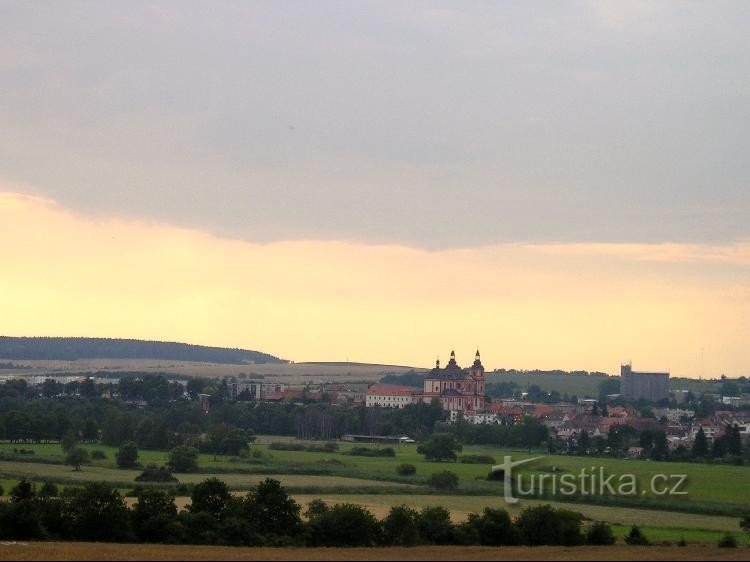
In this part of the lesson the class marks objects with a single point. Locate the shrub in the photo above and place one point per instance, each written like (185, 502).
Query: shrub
(152, 473)
(445, 480)
(600, 534)
(635, 537)
(98, 455)
(276, 446)
(682, 542)
(728, 541)
(406, 469)
(477, 459)
(370, 452)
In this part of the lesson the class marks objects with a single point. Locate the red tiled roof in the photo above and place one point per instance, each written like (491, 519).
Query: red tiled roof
(390, 390)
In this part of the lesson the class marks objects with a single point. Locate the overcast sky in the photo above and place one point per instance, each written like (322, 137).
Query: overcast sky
(435, 125)
(563, 184)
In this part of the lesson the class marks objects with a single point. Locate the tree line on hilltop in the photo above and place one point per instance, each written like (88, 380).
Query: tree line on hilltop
(71, 349)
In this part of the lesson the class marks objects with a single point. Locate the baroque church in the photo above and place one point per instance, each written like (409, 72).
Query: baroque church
(457, 389)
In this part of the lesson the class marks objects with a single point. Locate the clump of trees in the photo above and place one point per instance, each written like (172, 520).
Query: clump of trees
(269, 516)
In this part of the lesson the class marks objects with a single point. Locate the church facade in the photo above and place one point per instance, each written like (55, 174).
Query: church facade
(457, 389)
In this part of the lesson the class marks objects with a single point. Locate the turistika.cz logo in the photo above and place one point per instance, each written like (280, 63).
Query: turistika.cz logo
(590, 481)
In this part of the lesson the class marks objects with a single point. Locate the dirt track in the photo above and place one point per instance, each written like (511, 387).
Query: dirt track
(93, 551)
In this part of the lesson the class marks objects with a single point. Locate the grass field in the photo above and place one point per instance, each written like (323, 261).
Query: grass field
(99, 551)
(714, 491)
(718, 484)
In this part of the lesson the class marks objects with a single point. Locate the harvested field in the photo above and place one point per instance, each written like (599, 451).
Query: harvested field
(95, 551)
(290, 373)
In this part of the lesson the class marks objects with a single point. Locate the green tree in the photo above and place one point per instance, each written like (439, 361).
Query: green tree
(127, 455)
(440, 447)
(153, 514)
(584, 442)
(700, 445)
(183, 459)
(494, 527)
(734, 440)
(435, 526)
(400, 527)
(636, 537)
(96, 512)
(272, 511)
(69, 440)
(76, 457)
(211, 496)
(344, 525)
(545, 525)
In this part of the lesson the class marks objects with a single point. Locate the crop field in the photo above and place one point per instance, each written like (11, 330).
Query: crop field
(291, 373)
(103, 551)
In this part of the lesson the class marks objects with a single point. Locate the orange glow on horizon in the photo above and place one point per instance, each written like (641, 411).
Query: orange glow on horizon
(568, 306)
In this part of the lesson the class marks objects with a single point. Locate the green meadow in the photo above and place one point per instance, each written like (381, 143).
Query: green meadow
(716, 494)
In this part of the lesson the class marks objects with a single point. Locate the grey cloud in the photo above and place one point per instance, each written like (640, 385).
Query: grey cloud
(430, 124)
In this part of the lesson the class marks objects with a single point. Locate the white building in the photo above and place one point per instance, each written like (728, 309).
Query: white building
(389, 396)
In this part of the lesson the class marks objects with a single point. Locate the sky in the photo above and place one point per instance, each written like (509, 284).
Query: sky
(564, 185)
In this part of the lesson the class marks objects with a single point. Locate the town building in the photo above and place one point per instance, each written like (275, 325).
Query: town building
(457, 389)
(643, 385)
(389, 396)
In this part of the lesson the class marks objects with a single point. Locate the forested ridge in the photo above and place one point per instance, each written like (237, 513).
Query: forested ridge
(70, 349)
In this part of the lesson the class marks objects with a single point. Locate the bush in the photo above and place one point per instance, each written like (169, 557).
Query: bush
(98, 455)
(276, 446)
(728, 541)
(400, 527)
(370, 452)
(636, 538)
(406, 469)
(445, 480)
(477, 459)
(153, 474)
(600, 534)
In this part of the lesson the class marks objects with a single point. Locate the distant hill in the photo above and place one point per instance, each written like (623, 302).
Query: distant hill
(71, 349)
(354, 364)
